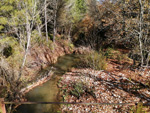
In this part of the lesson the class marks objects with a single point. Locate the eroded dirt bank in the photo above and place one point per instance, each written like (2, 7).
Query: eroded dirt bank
(41, 56)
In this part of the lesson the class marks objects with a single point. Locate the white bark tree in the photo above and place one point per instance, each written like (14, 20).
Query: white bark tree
(141, 31)
(55, 20)
(45, 4)
(30, 20)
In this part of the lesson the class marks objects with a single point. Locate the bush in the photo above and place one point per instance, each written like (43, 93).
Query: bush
(9, 47)
(140, 109)
(109, 53)
(78, 90)
(93, 60)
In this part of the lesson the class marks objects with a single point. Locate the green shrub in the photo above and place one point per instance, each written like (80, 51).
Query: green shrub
(109, 53)
(11, 50)
(140, 109)
(122, 57)
(78, 90)
(93, 60)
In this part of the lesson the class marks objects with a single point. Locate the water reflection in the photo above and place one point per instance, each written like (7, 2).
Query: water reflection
(48, 92)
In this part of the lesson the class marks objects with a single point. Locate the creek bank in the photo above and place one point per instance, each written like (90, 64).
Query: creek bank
(108, 87)
(41, 56)
(37, 83)
(49, 91)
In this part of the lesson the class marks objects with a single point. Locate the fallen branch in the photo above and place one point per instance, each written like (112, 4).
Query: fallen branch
(39, 82)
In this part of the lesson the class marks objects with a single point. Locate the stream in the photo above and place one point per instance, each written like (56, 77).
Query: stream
(48, 92)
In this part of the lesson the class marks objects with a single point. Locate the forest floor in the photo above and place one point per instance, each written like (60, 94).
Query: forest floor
(119, 83)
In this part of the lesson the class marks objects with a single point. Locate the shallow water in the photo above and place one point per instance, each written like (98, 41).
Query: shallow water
(48, 92)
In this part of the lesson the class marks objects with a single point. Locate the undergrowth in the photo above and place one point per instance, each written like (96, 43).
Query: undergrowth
(140, 109)
(111, 53)
(79, 89)
(94, 60)
(11, 46)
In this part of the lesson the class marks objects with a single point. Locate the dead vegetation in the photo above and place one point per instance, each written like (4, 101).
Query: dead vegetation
(119, 83)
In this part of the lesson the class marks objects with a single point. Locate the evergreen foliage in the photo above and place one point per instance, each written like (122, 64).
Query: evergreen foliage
(92, 23)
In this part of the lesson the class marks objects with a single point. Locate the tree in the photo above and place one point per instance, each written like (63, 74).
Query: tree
(137, 28)
(45, 10)
(6, 8)
(79, 10)
(55, 9)
(30, 13)
(104, 26)
(75, 12)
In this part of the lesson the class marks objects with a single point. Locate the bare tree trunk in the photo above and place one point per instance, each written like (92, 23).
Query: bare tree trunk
(55, 16)
(148, 57)
(123, 14)
(46, 20)
(141, 32)
(28, 30)
(69, 34)
(39, 29)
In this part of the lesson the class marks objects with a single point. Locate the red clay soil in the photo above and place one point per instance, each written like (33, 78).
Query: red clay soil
(118, 84)
(41, 56)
